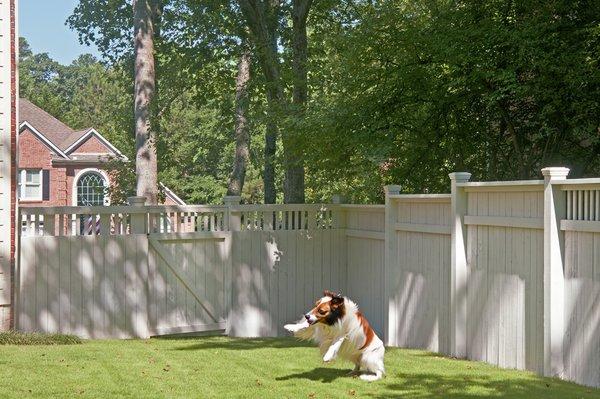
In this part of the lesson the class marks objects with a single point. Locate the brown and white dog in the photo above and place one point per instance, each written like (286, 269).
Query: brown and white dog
(340, 329)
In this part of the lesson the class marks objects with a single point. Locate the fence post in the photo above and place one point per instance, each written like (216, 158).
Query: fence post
(233, 219)
(391, 253)
(553, 284)
(233, 224)
(339, 216)
(458, 266)
(138, 220)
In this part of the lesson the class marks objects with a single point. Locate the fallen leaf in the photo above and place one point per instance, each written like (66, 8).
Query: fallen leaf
(352, 392)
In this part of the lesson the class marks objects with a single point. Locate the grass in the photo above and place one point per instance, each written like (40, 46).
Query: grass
(219, 367)
(18, 338)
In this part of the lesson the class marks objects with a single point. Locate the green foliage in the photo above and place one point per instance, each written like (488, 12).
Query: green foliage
(399, 92)
(409, 91)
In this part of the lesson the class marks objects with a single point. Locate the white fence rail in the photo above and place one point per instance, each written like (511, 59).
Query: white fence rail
(503, 272)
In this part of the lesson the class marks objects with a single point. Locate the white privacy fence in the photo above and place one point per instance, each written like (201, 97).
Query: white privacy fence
(503, 272)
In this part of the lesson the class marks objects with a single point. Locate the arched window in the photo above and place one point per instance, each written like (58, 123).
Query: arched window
(91, 189)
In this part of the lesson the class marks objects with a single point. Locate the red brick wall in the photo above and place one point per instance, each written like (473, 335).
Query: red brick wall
(92, 146)
(33, 154)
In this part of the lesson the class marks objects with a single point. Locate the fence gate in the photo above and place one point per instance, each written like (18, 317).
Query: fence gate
(189, 282)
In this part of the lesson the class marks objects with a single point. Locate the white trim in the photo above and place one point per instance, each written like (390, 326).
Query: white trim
(78, 176)
(172, 195)
(44, 139)
(87, 136)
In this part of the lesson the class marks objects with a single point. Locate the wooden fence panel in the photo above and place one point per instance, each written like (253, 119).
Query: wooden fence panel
(365, 259)
(582, 307)
(277, 275)
(420, 275)
(94, 287)
(505, 266)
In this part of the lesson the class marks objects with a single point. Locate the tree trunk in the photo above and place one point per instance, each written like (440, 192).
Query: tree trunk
(242, 134)
(262, 18)
(145, 86)
(292, 143)
(275, 107)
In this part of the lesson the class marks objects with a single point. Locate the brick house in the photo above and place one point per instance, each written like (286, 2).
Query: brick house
(60, 166)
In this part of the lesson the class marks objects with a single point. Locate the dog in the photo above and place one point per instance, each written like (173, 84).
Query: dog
(340, 329)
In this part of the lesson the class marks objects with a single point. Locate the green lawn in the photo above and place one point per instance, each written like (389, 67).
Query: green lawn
(219, 367)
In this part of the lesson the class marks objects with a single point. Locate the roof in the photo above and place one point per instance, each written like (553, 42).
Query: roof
(61, 135)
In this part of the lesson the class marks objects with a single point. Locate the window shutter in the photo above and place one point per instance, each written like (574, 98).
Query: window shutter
(46, 185)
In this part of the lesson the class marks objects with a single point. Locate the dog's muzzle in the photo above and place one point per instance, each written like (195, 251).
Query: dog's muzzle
(310, 318)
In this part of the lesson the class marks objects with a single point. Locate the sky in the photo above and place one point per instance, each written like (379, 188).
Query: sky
(42, 23)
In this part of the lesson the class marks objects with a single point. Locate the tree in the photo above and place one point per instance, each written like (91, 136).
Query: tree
(197, 54)
(262, 18)
(295, 175)
(242, 134)
(144, 91)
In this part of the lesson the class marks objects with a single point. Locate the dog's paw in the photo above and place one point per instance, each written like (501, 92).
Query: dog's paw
(371, 377)
(293, 327)
(328, 357)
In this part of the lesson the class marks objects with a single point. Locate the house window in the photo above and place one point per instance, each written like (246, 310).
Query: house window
(90, 189)
(30, 184)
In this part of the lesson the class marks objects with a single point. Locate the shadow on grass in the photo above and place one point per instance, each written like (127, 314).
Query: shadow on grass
(236, 344)
(321, 374)
(465, 386)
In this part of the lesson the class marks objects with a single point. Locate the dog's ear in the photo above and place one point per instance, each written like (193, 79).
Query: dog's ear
(331, 294)
(336, 299)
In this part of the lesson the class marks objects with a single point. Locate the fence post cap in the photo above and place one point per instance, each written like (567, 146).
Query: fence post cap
(136, 201)
(232, 200)
(555, 172)
(460, 177)
(392, 189)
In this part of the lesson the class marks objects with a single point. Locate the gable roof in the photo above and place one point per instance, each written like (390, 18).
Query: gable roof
(91, 132)
(51, 128)
(58, 136)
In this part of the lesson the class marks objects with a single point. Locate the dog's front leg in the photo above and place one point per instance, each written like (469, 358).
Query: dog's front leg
(334, 349)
